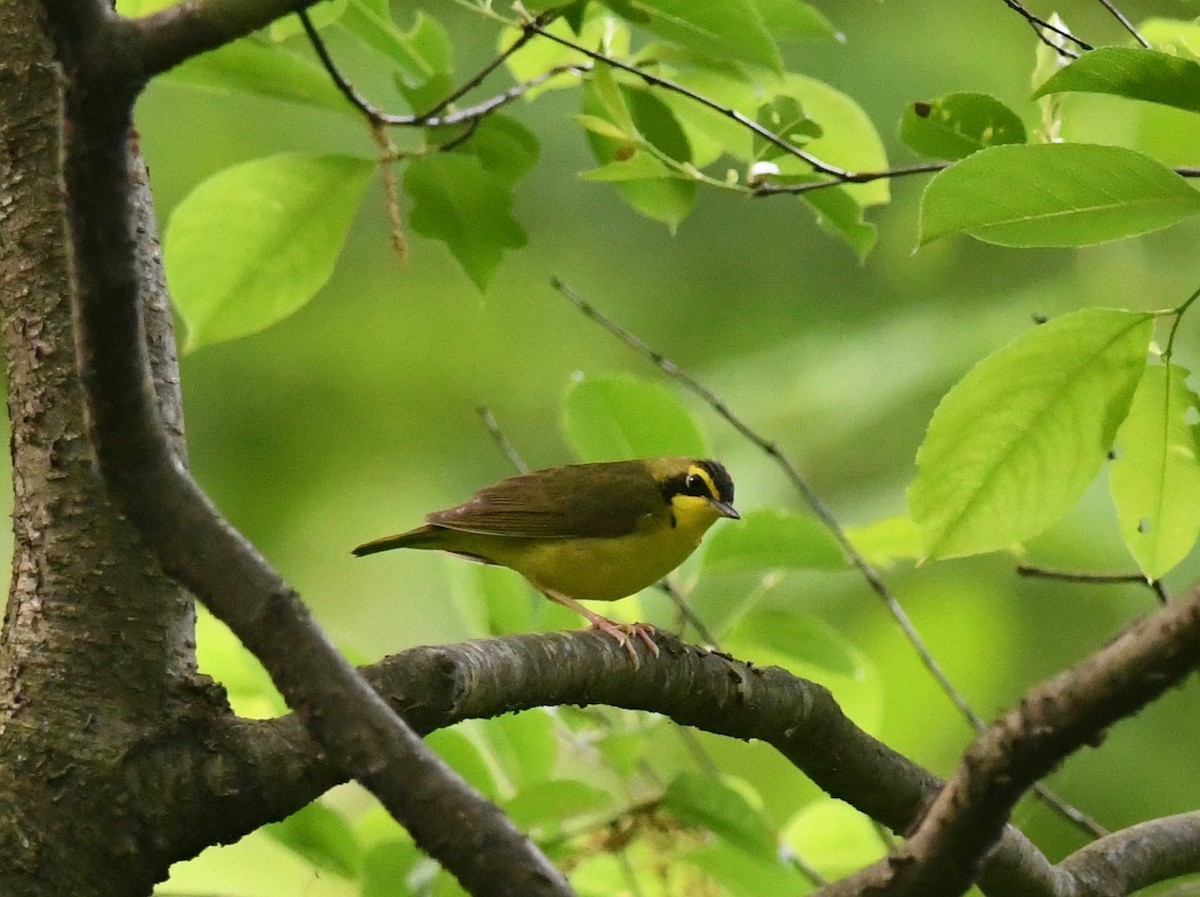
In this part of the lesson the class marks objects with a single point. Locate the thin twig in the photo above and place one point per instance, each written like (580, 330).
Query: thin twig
(432, 119)
(1156, 586)
(506, 446)
(1125, 23)
(675, 87)
(688, 614)
(766, 188)
(827, 518)
(1041, 26)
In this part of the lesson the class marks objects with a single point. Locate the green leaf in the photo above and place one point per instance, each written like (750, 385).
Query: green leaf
(603, 127)
(1175, 36)
(795, 20)
(246, 66)
(537, 57)
(886, 541)
(746, 875)
(783, 116)
(837, 838)
(458, 201)
(507, 599)
(1155, 479)
(506, 148)
(954, 126)
(386, 867)
(848, 137)
(322, 836)
(1134, 74)
(222, 655)
(255, 242)
(713, 805)
(640, 167)
(525, 746)
(421, 53)
(840, 215)
(465, 758)
(723, 29)
(608, 418)
(645, 181)
(1062, 194)
(545, 805)
(1014, 444)
(773, 540)
(321, 15)
(797, 641)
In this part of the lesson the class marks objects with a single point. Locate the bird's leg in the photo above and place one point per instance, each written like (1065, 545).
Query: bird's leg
(619, 631)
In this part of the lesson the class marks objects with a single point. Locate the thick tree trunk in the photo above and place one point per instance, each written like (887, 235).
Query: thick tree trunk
(97, 670)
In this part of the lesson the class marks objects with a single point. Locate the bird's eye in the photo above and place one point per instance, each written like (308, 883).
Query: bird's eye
(695, 485)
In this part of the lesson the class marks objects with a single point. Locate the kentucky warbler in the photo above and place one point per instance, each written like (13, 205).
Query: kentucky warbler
(592, 532)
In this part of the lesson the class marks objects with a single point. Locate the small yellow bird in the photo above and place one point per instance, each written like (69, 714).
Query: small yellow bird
(591, 532)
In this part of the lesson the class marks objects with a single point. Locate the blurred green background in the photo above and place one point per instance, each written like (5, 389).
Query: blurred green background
(358, 414)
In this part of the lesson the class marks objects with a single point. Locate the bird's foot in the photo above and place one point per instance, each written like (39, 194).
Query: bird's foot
(624, 633)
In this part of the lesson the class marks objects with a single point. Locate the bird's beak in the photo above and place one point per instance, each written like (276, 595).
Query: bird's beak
(725, 509)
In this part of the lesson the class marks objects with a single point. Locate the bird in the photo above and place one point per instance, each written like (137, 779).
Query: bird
(599, 531)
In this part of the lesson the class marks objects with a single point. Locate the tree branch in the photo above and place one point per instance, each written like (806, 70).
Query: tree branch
(1052, 721)
(193, 543)
(437, 686)
(164, 39)
(1139, 856)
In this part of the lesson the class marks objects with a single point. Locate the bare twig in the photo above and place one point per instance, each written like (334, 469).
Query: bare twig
(827, 518)
(1155, 585)
(766, 188)
(1041, 26)
(689, 615)
(1125, 23)
(505, 444)
(432, 118)
(675, 87)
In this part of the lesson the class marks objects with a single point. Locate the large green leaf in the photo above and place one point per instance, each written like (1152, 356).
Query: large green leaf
(714, 805)
(799, 642)
(458, 201)
(883, 542)
(322, 836)
(386, 867)
(465, 757)
(1135, 74)
(255, 242)
(607, 418)
(954, 126)
(422, 52)
(1054, 195)
(837, 838)
(247, 66)
(793, 19)
(770, 539)
(723, 29)
(742, 874)
(1014, 444)
(546, 805)
(1155, 479)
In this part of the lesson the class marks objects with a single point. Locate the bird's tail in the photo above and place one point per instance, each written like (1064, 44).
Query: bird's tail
(414, 538)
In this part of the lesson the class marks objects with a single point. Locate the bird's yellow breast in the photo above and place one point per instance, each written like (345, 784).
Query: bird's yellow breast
(598, 568)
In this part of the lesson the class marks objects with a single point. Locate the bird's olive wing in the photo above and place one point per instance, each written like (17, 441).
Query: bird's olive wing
(579, 500)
